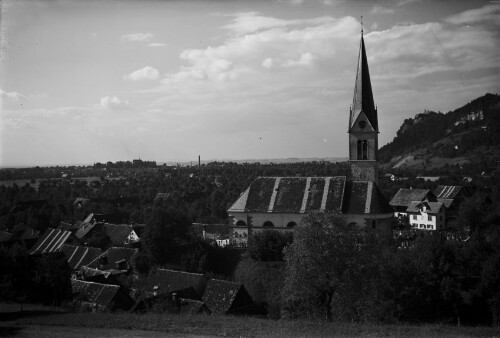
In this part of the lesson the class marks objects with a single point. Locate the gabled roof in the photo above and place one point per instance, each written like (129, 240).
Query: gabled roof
(292, 194)
(165, 281)
(95, 293)
(309, 194)
(118, 233)
(431, 207)
(52, 240)
(78, 256)
(223, 297)
(404, 197)
(364, 197)
(363, 95)
(451, 191)
(112, 256)
(84, 229)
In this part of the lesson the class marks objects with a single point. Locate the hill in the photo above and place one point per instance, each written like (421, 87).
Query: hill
(469, 135)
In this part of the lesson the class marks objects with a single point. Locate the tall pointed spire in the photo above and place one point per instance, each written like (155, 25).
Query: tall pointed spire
(363, 96)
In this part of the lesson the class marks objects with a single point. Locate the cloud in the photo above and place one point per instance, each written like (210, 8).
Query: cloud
(305, 59)
(377, 9)
(157, 44)
(137, 37)
(14, 96)
(486, 14)
(267, 63)
(249, 22)
(146, 73)
(113, 102)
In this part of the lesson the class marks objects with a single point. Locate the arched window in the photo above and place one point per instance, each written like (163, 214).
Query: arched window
(291, 225)
(365, 149)
(241, 224)
(360, 150)
(268, 224)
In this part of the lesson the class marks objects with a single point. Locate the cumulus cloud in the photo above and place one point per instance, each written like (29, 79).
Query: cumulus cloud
(14, 96)
(113, 102)
(146, 73)
(157, 44)
(377, 9)
(305, 59)
(137, 37)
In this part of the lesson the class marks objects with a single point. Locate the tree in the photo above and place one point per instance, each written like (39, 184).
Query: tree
(324, 260)
(268, 245)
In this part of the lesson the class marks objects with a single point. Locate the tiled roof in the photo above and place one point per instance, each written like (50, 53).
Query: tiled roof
(431, 207)
(78, 256)
(292, 194)
(307, 194)
(165, 281)
(447, 202)
(51, 241)
(405, 196)
(112, 256)
(84, 229)
(192, 306)
(118, 233)
(451, 191)
(220, 295)
(95, 293)
(364, 197)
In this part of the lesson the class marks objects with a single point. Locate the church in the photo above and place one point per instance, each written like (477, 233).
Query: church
(279, 203)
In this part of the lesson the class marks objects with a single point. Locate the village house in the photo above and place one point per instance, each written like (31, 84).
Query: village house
(101, 297)
(404, 197)
(52, 240)
(427, 215)
(280, 203)
(78, 256)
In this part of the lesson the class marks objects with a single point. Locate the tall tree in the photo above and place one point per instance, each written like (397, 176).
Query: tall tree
(325, 258)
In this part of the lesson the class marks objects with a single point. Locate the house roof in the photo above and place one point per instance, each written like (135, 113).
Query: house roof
(118, 233)
(364, 197)
(164, 281)
(84, 229)
(307, 194)
(51, 241)
(95, 293)
(220, 295)
(78, 256)
(404, 197)
(451, 191)
(113, 255)
(192, 306)
(431, 207)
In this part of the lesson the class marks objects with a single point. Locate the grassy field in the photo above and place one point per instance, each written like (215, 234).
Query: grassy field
(200, 325)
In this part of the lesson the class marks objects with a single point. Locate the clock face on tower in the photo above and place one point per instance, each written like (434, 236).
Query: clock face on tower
(362, 124)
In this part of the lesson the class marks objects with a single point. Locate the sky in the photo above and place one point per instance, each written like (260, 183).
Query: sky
(96, 81)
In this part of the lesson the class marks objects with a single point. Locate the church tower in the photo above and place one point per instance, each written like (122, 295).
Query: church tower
(363, 125)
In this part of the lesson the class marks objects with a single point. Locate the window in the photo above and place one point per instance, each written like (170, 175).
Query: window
(429, 226)
(422, 226)
(241, 224)
(360, 150)
(414, 217)
(365, 149)
(268, 224)
(291, 225)
(430, 218)
(374, 224)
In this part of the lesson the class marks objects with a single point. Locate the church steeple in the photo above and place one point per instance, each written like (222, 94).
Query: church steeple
(363, 95)
(363, 124)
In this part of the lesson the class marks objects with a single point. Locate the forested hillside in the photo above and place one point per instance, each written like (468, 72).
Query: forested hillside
(434, 139)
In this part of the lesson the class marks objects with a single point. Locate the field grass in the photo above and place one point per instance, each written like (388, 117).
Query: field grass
(229, 326)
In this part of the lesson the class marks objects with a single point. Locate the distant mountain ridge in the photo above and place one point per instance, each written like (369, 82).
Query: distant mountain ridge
(263, 160)
(433, 140)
